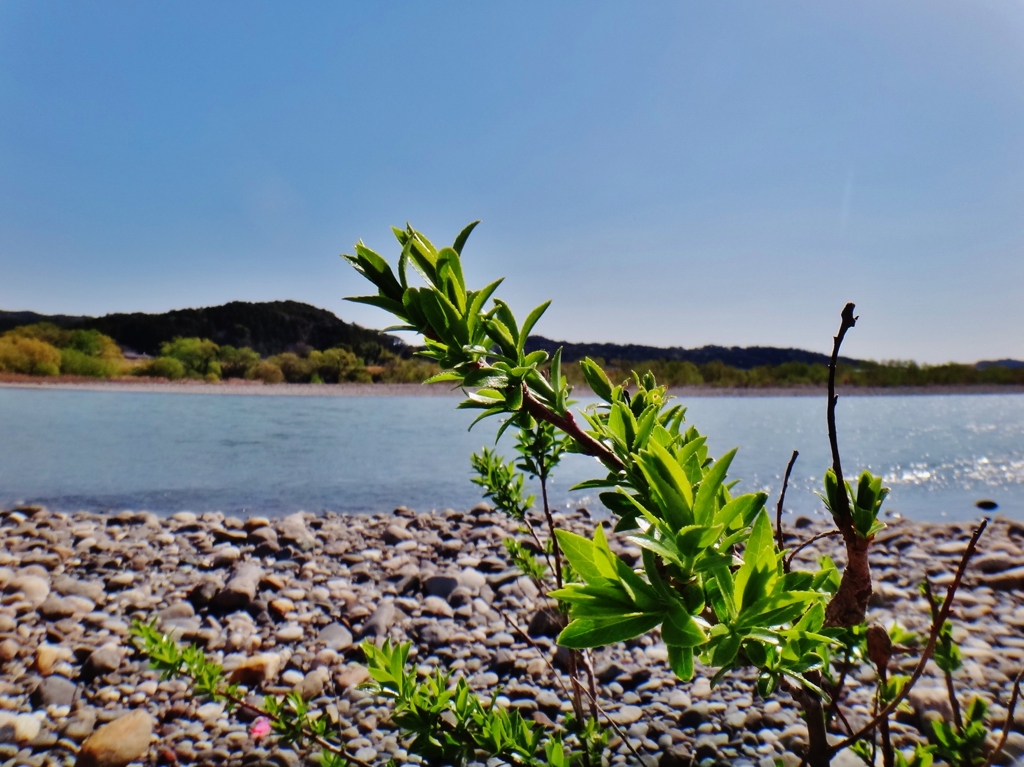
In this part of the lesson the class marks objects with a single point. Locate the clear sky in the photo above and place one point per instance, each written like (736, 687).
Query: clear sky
(670, 173)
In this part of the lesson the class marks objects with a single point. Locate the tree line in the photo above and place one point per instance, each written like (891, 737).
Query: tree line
(44, 349)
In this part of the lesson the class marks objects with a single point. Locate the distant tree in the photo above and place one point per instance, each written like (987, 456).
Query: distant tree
(31, 356)
(267, 372)
(198, 355)
(235, 363)
(294, 368)
(339, 366)
(162, 367)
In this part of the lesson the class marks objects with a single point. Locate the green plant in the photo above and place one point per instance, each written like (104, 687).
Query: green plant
(162, 367)
(199, 356)
(31, 356)
(670, 497)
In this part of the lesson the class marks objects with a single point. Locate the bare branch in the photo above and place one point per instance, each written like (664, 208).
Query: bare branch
(933, 638)
(1008, 722)
(808, 542)
(782, 498)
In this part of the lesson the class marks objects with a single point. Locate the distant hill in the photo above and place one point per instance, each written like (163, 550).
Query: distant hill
(1009, 364)
(743, 358)
(269, 328)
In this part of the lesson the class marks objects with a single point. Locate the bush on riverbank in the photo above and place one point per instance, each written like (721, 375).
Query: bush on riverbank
(46, 350)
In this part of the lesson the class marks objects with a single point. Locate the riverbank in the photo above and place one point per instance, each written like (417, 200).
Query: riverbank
(256, 388)
(287, 601)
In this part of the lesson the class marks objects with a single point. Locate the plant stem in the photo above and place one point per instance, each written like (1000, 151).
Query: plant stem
(1008, 722)
(782, 498)
(567, 423)
(850, 603)
(954, 704)
(805, 544)
(926, 654)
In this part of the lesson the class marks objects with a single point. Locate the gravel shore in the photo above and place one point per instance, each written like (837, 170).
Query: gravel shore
(284, 603)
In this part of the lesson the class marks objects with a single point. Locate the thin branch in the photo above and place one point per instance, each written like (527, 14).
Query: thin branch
(1008, 722)
(618, 731)
(576, 682)
(808, 542)
(848, 321)
(950, 689)
(540, 545)
(782, 498)
(588, 443)
(926, 655)
(555, 550)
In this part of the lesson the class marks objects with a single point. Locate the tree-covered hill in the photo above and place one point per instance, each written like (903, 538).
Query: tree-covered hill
(269, 328)
(742, 358)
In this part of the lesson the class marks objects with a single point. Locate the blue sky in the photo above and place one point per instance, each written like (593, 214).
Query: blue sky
(668, 173)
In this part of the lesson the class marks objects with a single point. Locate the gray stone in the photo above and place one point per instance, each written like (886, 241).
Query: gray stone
(55, 608)
(440, 586)
(102, 660)
(34, 588)
(54, 691)
(240, 590)
(295, 533)
(335, 637)
(72, 587)
(80, 726)
(379, 622)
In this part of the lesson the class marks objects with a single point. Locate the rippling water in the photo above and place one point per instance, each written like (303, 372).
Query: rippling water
(236, 453)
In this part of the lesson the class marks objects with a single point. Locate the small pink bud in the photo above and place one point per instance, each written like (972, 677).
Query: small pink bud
(259, 729)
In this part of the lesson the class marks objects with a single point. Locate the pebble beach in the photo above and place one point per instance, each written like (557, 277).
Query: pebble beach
(284, 603)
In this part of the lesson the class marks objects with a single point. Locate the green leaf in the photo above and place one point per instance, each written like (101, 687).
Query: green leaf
(528, 324)
(598, 632)
(681, 629)
(680, 660)
(580, 553)
(704, 503)
(596, 379)
(460, 241)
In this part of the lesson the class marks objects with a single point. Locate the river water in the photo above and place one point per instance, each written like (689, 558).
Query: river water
(164, 452)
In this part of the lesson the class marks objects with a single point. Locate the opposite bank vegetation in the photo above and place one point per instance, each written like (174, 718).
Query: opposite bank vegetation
(47, 350)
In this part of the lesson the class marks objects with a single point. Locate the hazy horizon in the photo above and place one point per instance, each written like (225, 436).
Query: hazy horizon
(671, 175)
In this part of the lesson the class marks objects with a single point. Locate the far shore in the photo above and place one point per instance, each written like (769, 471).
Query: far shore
(255, 388)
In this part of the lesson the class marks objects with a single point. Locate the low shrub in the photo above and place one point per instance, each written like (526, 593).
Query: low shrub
(162, 367)
(235, 363)
(77, 363)
(197, 355)
(21, 354)
(265, 371)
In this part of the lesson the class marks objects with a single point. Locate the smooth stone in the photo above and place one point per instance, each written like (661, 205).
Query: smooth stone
(34, 588)
(312, 685)
(48, 656)
(240, 590)
(336, 637)
(627, 715)
(438, 606)
(55, 608)
(294, 532)
(119, 743)
(379, 622)
(290, 633)
(80, 726)
(26, 728)
(263, 667)
(102, 660)
(54, 691)
(440, 586)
